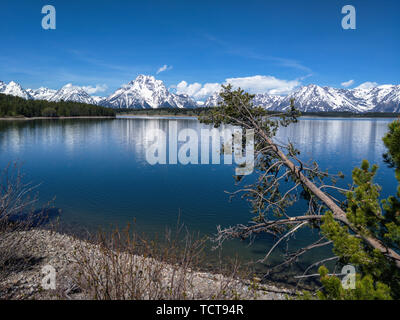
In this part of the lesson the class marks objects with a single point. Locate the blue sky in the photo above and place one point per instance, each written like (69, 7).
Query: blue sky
(288, 43)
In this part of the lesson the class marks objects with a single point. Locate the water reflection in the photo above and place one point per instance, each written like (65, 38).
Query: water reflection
(338, 144)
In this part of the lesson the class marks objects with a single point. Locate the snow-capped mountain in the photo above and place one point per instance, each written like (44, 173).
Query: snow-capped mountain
(267, 100)
(262, 99)
(98, 100)
(184, 101)
(385, 98)
(41, 93)
(147, 92)
(390, 101)
(213, 100)
(72, 93)
(66, 93)
(313, 98)
(14, 89)
(308, 98)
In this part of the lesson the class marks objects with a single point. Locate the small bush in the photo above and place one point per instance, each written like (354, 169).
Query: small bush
(17, 214)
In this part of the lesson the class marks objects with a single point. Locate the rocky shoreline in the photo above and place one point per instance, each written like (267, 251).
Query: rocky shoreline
(59, 251)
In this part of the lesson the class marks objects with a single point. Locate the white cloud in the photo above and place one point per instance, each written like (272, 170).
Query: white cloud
(264, 84)
(367, 85)
(164, 68)
(197, 90)
(254, 84)
(96, 89)
(347, 83)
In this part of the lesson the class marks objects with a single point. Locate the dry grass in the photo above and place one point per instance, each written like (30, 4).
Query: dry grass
(17, 214)
(125, 265)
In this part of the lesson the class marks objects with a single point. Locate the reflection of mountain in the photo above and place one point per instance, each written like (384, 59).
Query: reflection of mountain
(136, 133)
(335, 141)
(63, 134)
(332, 142)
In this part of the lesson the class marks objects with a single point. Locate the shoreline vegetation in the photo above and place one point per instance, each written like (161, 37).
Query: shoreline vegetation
(87, 270)
(53, 118)
(16, 108)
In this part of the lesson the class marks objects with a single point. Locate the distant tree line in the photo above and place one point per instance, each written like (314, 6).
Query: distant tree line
(11, 106)
(166, 111)
(344, 114)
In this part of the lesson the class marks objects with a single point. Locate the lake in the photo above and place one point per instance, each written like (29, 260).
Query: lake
(98, 173)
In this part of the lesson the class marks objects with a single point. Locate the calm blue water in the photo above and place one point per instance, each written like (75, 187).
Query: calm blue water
(98, 173)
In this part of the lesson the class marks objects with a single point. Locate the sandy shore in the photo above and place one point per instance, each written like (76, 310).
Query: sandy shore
(60, 252)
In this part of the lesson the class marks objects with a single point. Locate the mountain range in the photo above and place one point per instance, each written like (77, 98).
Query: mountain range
(147, 92)
(313, 98)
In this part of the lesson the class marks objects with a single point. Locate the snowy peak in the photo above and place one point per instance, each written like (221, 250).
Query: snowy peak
(41, 93)
(147, 92)
(98, 100)
(67, 93)
(313, 98)
(267, 100)
(213, 100)
(146, 81)
(72, 93)
(385, 97)
(14, 89)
